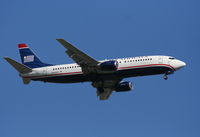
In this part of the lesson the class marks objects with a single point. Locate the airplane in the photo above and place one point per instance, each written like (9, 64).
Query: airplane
(105, 75)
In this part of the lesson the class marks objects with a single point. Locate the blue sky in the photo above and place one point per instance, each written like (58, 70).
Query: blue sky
(103, 29)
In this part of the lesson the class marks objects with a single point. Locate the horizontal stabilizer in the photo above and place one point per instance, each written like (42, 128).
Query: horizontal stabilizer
(18, 66)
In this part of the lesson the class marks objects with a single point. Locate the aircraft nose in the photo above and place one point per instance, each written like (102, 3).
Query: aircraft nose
(183, 64)
(180, 64)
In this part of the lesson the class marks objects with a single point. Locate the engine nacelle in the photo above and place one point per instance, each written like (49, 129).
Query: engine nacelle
(109, 65)
(124, 86)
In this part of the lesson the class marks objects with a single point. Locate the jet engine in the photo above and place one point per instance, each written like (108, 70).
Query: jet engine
(109, 65)
(124, 86)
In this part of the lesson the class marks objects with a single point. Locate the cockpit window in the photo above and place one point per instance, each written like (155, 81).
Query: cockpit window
(171, 58)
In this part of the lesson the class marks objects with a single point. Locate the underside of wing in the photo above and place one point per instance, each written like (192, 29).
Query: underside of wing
(105, 88)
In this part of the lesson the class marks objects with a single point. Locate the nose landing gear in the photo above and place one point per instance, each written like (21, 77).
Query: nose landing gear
(165, 77)
(166, 74)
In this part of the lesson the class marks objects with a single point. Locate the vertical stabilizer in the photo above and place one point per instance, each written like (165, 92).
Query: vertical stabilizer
(28, 58)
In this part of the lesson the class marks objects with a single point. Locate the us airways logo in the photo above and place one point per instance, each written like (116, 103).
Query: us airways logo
(28, 58)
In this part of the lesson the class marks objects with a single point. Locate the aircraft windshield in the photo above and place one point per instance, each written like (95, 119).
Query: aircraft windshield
(171, 58)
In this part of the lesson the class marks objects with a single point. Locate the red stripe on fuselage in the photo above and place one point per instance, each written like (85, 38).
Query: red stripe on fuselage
(120, 68)
(147, 66)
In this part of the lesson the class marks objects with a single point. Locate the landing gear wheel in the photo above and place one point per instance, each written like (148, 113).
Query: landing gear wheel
(165, 77)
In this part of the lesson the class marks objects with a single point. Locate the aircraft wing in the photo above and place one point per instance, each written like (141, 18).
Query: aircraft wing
(87, 63)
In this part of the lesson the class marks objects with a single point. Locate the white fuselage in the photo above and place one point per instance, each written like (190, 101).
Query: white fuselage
(141, 64)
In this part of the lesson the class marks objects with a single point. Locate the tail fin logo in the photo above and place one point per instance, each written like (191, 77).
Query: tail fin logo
(28, 58)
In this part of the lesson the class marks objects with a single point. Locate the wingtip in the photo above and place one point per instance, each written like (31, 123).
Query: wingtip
(60, 39)
(5, 57)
